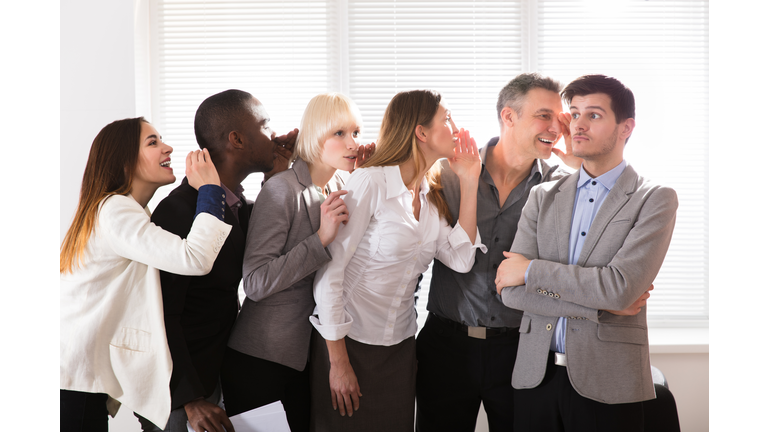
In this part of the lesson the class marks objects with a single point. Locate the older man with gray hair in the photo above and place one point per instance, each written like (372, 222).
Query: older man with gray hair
(467, 349)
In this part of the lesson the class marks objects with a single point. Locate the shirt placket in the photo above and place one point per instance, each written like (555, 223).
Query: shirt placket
(397, 299)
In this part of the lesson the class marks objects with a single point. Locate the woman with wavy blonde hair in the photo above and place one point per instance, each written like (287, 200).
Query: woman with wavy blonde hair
(363, 349)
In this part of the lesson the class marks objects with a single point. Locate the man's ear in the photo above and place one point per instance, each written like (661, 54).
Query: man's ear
(508, 117)
(421, 133)
(626, 128)
(235, 140)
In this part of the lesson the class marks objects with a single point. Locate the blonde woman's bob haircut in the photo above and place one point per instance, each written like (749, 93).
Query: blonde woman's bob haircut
(325, 114)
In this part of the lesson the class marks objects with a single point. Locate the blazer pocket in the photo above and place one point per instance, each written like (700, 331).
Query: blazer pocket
(525, 324)
(625, 334)
(620, 221)
(132, 339)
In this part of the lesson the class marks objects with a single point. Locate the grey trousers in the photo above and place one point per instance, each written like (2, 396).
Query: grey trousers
(177, 422)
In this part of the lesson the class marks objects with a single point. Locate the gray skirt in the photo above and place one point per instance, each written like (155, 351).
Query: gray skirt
(387, 379)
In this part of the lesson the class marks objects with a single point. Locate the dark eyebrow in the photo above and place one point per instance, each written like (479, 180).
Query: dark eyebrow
(153, 136)
(591, 106)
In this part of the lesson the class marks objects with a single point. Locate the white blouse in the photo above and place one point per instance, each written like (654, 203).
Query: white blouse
(112, 328)
(366, 291)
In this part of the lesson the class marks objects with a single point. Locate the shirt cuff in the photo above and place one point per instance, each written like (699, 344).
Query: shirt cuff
(332, 331)
(527, 270)
(458, 236)
(211, 199)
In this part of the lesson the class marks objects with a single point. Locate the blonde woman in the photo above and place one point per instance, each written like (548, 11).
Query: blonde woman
(113, 345)
(296, 215)
(364, 357)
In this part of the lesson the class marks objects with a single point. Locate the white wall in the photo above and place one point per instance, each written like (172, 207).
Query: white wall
(98, 86)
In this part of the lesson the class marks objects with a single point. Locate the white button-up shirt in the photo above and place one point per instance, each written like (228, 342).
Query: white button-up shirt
(366, 291)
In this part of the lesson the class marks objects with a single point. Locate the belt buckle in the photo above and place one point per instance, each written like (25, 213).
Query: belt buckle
(476, 332)
(560, 359)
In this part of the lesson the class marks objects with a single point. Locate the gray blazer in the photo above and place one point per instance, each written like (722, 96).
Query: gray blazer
(282, 254)
(608, 359)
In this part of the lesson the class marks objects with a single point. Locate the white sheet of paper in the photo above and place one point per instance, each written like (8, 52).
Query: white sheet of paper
(268, 418)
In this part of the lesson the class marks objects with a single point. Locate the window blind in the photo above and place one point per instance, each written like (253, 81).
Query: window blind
(659, 49)
(283, 53)
(286, 52)
(466, 50)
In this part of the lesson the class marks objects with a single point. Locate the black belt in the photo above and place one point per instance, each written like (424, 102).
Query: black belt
(475, 332)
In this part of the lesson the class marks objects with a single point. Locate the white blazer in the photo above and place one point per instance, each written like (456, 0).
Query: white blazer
(112, 329)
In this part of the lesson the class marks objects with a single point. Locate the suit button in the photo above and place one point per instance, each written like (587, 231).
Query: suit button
(549, 327)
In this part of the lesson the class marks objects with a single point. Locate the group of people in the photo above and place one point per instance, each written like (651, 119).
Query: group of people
(537, 297)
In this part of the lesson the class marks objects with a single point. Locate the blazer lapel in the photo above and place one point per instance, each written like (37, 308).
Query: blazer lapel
(563, 215)
(618, 196)
(309, 194)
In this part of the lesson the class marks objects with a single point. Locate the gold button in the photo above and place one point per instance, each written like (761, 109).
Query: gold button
(549, 327)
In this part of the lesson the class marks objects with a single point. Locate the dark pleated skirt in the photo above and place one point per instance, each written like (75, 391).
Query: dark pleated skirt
(387, 379)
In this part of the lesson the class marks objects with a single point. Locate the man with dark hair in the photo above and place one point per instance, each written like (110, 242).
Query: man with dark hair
(200, 311)
(467, 348)
(586, 247)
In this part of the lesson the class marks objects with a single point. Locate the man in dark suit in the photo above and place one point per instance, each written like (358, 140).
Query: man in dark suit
(200, 311)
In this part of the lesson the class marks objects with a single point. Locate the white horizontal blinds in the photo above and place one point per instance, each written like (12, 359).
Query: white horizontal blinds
(284, 53)
(466, 50)
(659, 49)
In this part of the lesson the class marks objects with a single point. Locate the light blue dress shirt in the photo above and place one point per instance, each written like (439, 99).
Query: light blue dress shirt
(590, 194)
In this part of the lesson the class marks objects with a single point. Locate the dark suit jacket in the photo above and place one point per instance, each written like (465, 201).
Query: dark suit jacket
(199, 310)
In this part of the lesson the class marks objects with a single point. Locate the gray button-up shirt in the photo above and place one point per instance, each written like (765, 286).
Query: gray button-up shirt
(470, 298)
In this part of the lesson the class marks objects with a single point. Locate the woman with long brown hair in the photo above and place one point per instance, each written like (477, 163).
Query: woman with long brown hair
(399, 221)
(113, 345)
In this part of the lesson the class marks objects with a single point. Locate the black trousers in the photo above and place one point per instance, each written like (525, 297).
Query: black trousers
(249, 382)
(554, 406)
(456, 372)
(83, 412)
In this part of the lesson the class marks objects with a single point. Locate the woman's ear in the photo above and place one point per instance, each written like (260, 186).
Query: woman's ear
(421, 134)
